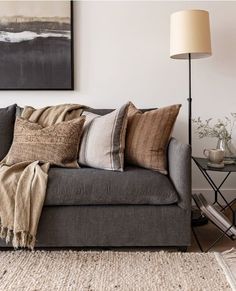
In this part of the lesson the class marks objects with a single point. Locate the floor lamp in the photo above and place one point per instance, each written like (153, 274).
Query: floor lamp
(190, 39)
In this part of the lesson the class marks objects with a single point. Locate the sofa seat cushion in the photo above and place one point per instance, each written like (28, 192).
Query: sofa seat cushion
(88, 186)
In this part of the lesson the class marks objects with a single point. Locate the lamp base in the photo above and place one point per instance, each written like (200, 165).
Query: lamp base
(198, 219)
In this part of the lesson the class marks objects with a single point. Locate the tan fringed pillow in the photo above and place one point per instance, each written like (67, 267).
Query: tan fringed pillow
(57, 144)
(148, 135)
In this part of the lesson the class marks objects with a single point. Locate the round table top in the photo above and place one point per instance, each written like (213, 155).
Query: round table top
(202, 163)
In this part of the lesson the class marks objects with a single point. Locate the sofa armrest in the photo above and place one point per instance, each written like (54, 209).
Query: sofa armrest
(179, 166)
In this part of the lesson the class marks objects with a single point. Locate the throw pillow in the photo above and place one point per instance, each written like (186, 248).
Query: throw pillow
(7, 120)
(148, 135)
(103, 140)
(57, 144)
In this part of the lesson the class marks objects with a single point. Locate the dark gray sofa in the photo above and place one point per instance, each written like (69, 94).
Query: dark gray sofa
(96, 208)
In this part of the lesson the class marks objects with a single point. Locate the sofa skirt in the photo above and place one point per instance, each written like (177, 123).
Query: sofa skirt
(113, 226)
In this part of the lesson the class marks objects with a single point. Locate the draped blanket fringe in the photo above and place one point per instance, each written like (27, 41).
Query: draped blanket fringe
(20, 239)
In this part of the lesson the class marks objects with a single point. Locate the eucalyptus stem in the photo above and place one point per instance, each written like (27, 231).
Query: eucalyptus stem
(221, 129)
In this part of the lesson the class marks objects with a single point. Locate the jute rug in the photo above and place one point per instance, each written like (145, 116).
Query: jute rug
(101, 271)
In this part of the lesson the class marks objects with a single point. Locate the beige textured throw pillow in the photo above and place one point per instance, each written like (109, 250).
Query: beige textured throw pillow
(148, 135)
(103, 140)
(57, 144)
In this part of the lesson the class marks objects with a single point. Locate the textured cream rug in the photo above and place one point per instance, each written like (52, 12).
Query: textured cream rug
(101, 271)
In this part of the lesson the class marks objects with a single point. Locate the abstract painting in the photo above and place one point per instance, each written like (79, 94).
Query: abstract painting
(36, 45)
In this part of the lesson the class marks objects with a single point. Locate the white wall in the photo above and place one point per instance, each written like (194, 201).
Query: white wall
(122, 53)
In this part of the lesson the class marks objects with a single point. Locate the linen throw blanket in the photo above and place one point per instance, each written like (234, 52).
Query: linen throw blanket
(23, 185)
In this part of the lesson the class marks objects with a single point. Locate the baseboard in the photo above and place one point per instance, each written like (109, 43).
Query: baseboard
(229, 194)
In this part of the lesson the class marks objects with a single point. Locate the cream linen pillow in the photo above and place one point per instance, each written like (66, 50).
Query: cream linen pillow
(103, 140)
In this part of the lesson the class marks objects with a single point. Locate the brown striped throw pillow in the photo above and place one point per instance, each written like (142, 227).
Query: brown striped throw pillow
(148, 135)
(57, 144)
(103, 140)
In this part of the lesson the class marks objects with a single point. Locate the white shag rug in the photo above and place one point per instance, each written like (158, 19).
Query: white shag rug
(101, 271)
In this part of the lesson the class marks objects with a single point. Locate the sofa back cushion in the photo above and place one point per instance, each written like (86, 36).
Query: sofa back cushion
(103, 140)
(106, 111)
(148, 135)
(7, 120)
(99, 111)
(57, 144)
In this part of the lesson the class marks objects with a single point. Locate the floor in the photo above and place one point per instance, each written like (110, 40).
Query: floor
(207, 234)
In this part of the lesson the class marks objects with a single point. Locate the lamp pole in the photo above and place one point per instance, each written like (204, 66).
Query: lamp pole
(190, 102)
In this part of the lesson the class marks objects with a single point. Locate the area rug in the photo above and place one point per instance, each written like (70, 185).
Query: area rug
(227, 261)
(101, 271)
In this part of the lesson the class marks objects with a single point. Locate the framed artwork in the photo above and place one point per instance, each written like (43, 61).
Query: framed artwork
(36, 45)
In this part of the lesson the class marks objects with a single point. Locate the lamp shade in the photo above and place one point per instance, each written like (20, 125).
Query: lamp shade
(190, 34)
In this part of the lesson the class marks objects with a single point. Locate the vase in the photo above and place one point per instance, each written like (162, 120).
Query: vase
(225, 145)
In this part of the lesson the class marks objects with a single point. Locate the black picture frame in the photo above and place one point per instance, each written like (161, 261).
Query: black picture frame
(70, 87)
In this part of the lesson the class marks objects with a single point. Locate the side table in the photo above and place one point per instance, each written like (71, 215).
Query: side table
(228, 169)
(205, 170)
